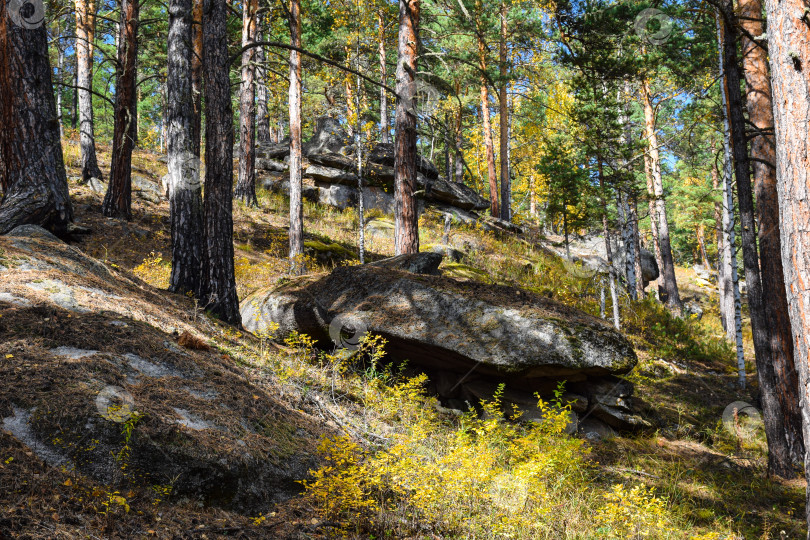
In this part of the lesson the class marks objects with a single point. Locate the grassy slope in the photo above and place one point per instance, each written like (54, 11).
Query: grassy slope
(712, 480)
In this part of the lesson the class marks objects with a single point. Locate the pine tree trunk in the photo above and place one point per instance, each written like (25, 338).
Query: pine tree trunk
(85, 39)
(490, 152)
(782, 377)
(670, 285)
(637, 251)
(385, 129)
(503, 119)
(246, 183)
(185, 194)
(458, 167)
(33, 173)
(60, 78)
(262, 114)
(297, 263)
(197, 74)
(789, 51)
(218, 284)
(118, 200)
(614, 292)
(406, 230)
(733, 306)
(648, 175)
(74, 113)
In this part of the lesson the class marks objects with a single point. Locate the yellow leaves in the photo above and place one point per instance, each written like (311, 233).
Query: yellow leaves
(9, 356)
(633, 513)
(68, 482)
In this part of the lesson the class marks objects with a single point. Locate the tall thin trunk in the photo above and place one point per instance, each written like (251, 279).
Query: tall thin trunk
(197, 74)
(361, 211)
(118, 200)
(490, 152)
(60, 69)
(385, 129)
(648, 175)
(733, 314)
(503, 118)
(262, 114)
(669, 283)
(246, 183)
(788, 449)
(700, 232)
(185, 193)
(297, 263)
(458, 167)
(626, 227)
(637, 251)
(614, 292)
(406, 229)
(33, 175)
(218, 283)
(85, 39)
(565, 233)
(789, 51)
(74, 106)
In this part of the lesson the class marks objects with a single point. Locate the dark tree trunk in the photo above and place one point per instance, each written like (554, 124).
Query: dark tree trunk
(406, 230)
(385, 129)
(297, 263)
(185, 195)
(262, 114)
(118, 200)
(769, 389)
(458, 167)
(503, 121)
(640, 285)
(85, 38)
(197, 75)
(789, 51)
(74, 117)
(246, 183)
(218, 284)
(33, 174)
(787, 447)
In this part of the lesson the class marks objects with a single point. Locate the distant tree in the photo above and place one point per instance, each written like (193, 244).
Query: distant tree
(85, 42)
(246, 183)
(32, 170)
(118, 199)
(297, 265)
(406, 230)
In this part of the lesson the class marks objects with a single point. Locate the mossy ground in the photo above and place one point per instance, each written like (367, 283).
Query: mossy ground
(711, 481)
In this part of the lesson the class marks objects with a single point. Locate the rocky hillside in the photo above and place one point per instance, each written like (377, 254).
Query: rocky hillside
(127, 412)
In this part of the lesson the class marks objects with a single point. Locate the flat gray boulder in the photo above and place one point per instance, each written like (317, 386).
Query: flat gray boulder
(442, 323)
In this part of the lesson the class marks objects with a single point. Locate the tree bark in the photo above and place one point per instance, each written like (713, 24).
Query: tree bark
(85, 38)
(789, 51)
(406, 230)
(118, 200)
(218, 284)
(246, 183)
(614, 293)
(33, 173)
(786, 450)
(197, 74)
(385, 129)
(669, 283)
(60, 69)
(503, 119)
(458, 167)
(733, 313)
(185, 194)
(637, 249)
(262, 114)
(488, 146)
(297, 263)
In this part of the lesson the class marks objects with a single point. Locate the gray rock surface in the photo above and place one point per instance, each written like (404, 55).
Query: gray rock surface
(441, 322)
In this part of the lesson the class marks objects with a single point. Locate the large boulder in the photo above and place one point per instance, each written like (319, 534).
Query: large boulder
(329, 136)
(440, 322)
(383, 154)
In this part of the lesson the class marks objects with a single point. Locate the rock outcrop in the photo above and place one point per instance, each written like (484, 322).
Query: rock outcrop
(472, 332)
(330, 167)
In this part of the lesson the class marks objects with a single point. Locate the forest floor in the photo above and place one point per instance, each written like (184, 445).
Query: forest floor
(711, 475)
